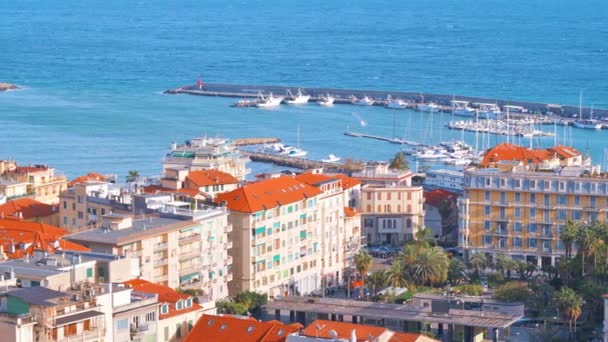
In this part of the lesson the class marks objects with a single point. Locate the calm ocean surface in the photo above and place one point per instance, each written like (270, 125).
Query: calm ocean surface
(93, 71)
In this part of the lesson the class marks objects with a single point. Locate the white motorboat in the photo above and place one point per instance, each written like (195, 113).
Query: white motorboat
(331, 159)
(395, 103)
(426, 154)
(268, 101)
(588, 124)
(296, 152)
(489, 111)
(428, 107)
(299, 98)
(327, 100)
(364, 101)
(462, 108)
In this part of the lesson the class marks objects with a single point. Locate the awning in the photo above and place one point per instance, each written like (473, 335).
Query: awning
(276, 258)
(260, 230)
(302, 234)
(81, 316)
(188, 277)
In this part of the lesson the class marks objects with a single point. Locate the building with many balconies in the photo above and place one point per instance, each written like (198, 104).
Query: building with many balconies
(39, 182)
(518, 200)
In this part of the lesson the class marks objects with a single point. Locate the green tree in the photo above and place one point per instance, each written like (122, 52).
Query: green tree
(512, 292)
(430, 266)
(132, 176)
(376, 281)
(456, 272)
(569, 304)
(569, 236)
(395, 275)
(363, 263)
(251, 300)
(231, 308)
(524, 269)
(478, 262)
(399, 162)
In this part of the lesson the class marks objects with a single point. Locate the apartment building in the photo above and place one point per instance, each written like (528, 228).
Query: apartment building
(277, 236)
(445, 179)
(39, 182)
(205, 154)
(179, 247)
(391, 208)
(82, 206)
(30, 210)
(518, 200)
(340, 234)
(178, 312)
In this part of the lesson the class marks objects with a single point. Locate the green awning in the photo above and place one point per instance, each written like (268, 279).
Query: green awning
(302, 234)
(189, 277)
(259, 231)
(276, 258)
(303, 216)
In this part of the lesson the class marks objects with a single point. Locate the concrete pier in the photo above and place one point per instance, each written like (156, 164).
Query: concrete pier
(255, 141)
(299, 163)
(342, 96)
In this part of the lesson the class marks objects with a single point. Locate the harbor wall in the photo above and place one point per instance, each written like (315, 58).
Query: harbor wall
(342, 95)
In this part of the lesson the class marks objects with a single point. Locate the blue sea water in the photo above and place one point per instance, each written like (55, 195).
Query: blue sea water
(94, 71)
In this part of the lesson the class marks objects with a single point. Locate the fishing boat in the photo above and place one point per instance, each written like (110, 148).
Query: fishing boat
(428, 107)
(364, 101)
(268, 101)
(327, 100)
(298, 98)
(395, 103)
(331, 159)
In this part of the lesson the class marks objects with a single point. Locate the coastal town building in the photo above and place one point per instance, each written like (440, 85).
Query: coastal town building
(391, 208)
(176, 247)
(208, 182)
(30, 210)
(322, 330)
(277, 236)
(243, 329)
(450, 180)
(178, 312)
(82, 205)
(205, 154)
(38, 182)
(518, 200)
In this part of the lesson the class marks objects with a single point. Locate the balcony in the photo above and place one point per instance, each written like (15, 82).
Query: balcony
(229, 260)
(228, 244)
(94, 334)
(189, 239)
(228, 229)
(161, 246)
(161, 262)
(189, 255)
(139, 329)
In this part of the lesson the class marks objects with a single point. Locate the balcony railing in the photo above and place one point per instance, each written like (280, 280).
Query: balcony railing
(228, 244)
(190, 255)
(94, 334)
(189, 239)
(161, 262)
(140, 329)
(161, 246)
(229, 260)
(228, 229)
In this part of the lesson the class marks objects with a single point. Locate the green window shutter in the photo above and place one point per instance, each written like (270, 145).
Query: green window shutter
(302, 234)
(90, 272)
(260, 230)
(276, 258)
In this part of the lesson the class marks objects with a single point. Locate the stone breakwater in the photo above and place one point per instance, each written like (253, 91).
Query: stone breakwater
(7, 86)
(255, 141)
(343, 95)
(301, 163)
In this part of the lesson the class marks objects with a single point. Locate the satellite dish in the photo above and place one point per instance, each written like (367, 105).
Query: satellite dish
(333, 334)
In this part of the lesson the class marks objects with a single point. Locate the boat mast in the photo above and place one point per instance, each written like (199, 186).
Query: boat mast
(476, 130)
(508, 132)
(580, 104)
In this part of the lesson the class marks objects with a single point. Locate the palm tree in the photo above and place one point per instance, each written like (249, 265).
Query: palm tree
(569, 235)
(363, 263)
(376, 281)
(586, 244)
(132, 176)
(569, 305)
(456, 271)
(424, 238)
(478, 262)
(430, 266)
(395, 276)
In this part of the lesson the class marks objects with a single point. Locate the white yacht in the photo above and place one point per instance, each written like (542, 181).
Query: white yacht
(299, 98)
(331, 159)
(326, 100)
(462, 108)
(268, 101)
(428, 107)
(365, 101)
(489, 111)
(588, 124)
(395, 103)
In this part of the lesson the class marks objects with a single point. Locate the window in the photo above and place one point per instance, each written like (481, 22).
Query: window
(531, 227)
(65, 220)
(517, 197)
(561, 214)
(164, 309)
(150, 316)
(532, 198)
(180, 305)
(65, 205)
(486, 225)
(90, 272)
(178, 330)
(369, 196)
(517, 227)
(517, 242)
(547, 200)
(487, 210)
(503, 197)
(167, 332)
(532, 212)
(122, 324)
(488, 196)
(577, 200)
(518, 212)
(532, 243)
(487, 239)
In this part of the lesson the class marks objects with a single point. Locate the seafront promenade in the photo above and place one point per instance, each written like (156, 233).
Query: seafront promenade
(343, 97)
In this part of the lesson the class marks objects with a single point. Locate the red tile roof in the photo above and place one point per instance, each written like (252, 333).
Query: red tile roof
(26, 208)
(410, 337)
(267, 194)
(210, 177)
(165, 295)
(347, 182)
(436, 197)
(229, 329)
(35, 236)
(91, 176)
(317, 179)
(321, 328)
(350, 212)
(29, 169)
(510, 152)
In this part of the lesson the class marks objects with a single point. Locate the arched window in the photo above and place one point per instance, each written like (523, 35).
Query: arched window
(398, 208)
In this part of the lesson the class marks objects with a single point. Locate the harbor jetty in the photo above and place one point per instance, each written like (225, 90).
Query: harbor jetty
(255, 141)
(344, 96)
(300, 163)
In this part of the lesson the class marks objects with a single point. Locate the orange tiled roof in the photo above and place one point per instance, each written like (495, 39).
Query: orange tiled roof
(410, 337)
(350, 212)
(211, 177)
(509, 152)
(267, 194)
(343, 329)
(436, 197)
(347, 182)
(26, 169)
(229, 329)
(28, 208)
(35, 236)
(91, 176)
(165, 294)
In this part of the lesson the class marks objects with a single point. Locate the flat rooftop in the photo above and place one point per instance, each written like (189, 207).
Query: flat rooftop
(406, 312)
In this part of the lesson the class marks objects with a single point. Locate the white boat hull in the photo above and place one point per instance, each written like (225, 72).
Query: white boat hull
(270, 102)
(428, 108)
(587, 125)
(299, 100)
(396, 105)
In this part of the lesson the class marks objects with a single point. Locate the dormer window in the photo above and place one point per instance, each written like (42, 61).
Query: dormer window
(189, 303)
(179, 305)
(164, 309)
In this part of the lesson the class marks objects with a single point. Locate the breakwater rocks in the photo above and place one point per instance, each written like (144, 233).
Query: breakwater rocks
(343, 95)
(301, 163)
(255, 141)
(7, 86)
